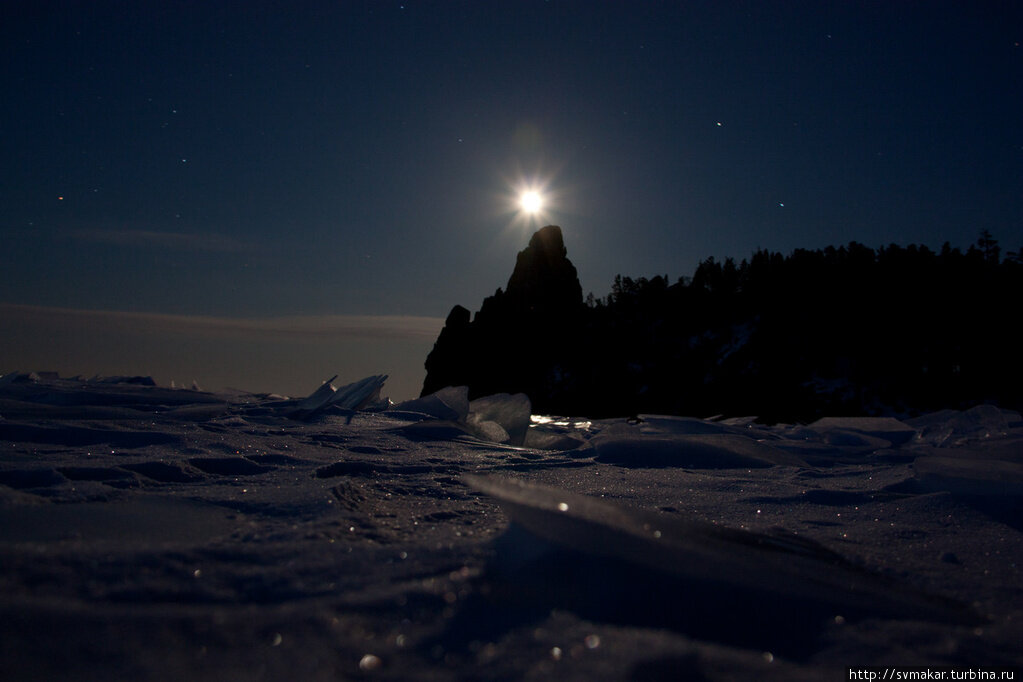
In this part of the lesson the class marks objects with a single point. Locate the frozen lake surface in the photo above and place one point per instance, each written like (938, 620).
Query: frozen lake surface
(168, 534)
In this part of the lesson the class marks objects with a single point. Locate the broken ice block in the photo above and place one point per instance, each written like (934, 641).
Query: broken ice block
(511, 412)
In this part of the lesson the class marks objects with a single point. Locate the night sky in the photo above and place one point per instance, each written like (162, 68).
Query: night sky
(256, 160)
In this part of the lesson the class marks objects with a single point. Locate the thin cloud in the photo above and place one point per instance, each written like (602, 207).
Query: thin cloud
(179, 241)
(309, 326)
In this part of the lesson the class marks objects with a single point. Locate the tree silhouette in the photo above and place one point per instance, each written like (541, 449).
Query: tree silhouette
(840, 330)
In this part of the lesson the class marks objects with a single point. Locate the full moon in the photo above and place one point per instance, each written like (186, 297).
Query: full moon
(531, 202)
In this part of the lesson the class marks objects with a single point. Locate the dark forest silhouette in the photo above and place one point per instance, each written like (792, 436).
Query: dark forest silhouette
(848, 330)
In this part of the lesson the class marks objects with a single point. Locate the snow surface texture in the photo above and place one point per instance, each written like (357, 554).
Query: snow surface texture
(155, 533)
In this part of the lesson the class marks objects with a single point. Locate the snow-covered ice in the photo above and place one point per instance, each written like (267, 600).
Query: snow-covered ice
(158, 533)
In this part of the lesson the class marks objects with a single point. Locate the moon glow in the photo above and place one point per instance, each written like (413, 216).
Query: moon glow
(531, 201)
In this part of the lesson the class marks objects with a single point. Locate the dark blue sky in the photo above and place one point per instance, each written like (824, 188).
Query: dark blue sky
(255, 159)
